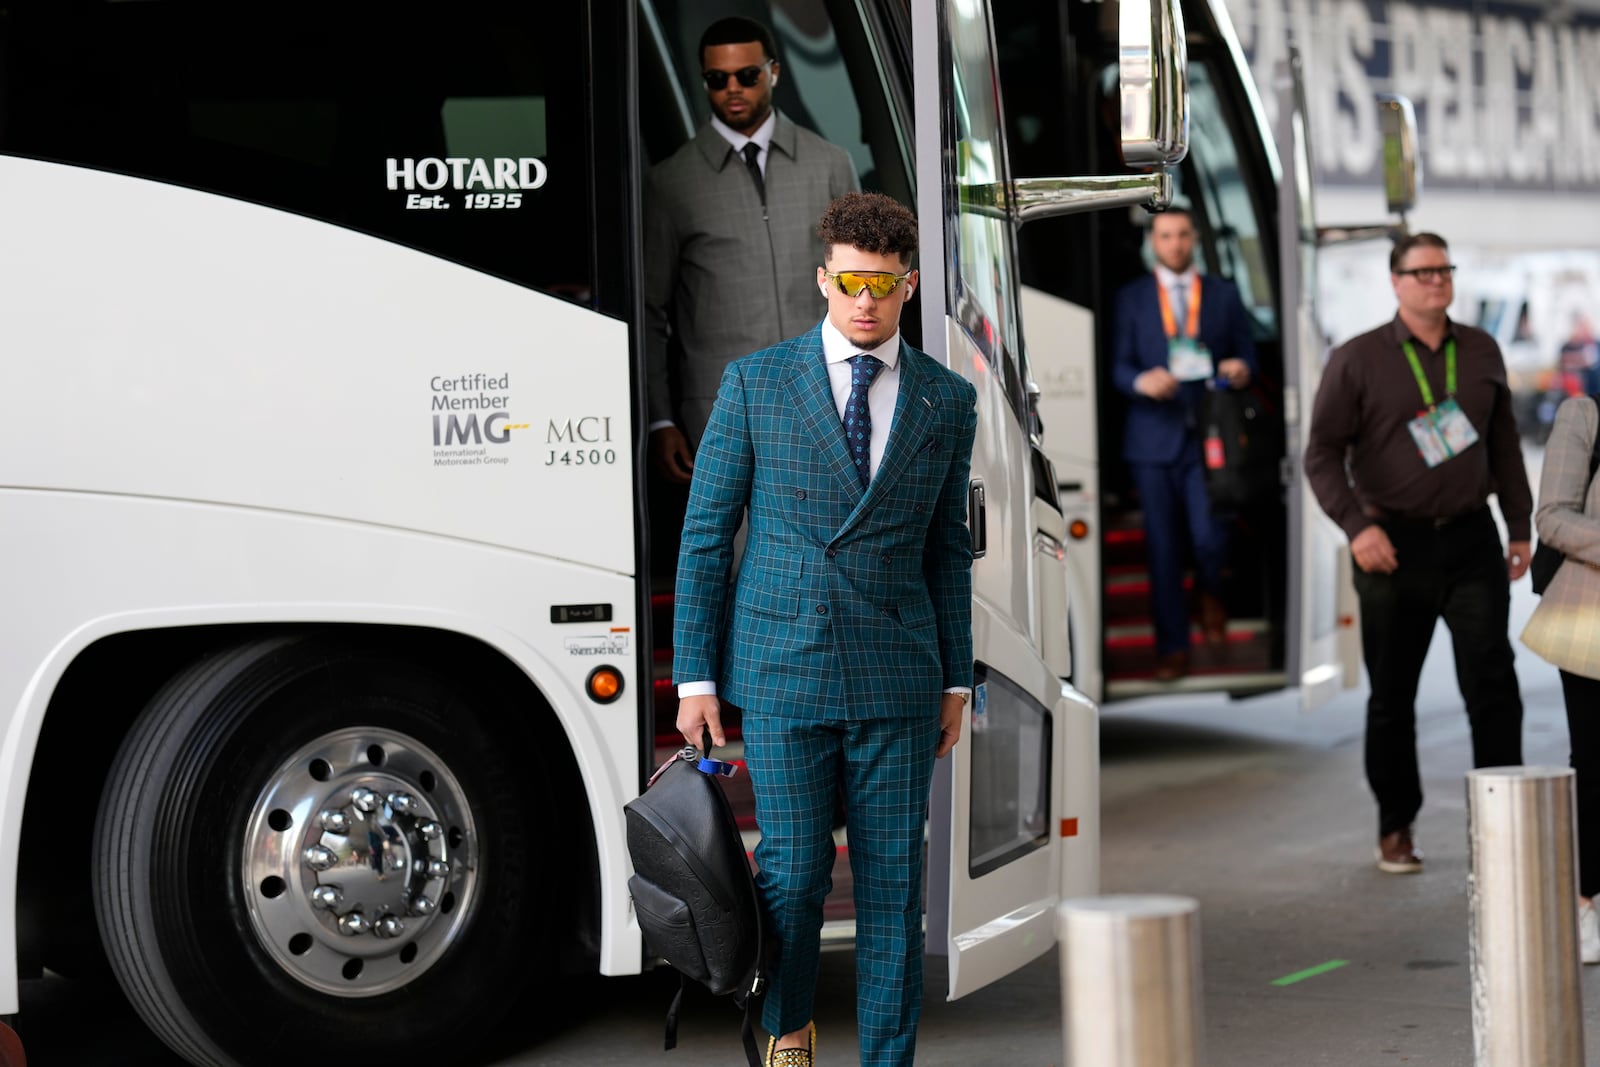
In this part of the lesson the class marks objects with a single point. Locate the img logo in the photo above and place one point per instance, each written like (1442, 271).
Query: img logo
(451, 430)
(471, 413)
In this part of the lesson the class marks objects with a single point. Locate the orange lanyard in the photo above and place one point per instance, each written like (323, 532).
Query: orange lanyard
(1168, 323)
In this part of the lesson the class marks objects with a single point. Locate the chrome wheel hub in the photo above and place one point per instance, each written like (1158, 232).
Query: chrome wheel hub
(360, 862)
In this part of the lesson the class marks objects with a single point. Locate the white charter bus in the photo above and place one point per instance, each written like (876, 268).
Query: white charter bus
(331, 644)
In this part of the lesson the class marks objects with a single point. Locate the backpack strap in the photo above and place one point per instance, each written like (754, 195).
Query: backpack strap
(747, 1032)
(672, 1014)
(753, 996)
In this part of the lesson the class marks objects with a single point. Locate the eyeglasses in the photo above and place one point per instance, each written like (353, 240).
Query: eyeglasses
(880, 283)
(717, 80)
(1429, 274)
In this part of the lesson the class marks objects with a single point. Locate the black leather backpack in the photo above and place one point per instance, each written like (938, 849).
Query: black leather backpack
(692, 888)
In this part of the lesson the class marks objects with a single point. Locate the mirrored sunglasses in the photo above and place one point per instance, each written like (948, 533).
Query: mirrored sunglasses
(880, 283)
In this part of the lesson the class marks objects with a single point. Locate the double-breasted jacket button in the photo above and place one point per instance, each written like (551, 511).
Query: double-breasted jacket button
(919, 509)
(799, 494)
(822, 609)
(832, 552)
(885, 559)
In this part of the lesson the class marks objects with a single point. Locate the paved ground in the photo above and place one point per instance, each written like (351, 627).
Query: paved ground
(1255, 810)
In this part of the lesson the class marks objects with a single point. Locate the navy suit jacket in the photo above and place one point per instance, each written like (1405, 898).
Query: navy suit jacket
(848, 604)
(1158, 430)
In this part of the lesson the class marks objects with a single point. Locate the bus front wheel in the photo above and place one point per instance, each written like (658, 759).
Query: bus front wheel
(307, 847)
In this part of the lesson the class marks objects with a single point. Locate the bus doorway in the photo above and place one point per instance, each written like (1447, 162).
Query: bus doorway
(1067, 108)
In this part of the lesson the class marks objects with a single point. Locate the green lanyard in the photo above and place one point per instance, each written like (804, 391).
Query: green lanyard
(1449, 370)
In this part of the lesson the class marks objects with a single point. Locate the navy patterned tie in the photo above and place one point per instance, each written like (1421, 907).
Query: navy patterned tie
(858, 416)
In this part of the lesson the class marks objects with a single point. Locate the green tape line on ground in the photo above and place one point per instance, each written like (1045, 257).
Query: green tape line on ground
(1310, 972)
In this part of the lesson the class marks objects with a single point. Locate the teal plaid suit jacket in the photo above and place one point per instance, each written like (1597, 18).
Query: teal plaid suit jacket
(848, 604)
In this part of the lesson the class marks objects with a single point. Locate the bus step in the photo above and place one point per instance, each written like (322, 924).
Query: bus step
(1248, 650)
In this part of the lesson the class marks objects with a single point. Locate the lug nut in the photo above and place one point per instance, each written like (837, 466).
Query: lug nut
(364, 799)
(334, 821)
(326, 896)
(388, 927)
(353, 924)
(402, 803)
(430, 830)
(319, 858)
(438, 869)
(421, 905)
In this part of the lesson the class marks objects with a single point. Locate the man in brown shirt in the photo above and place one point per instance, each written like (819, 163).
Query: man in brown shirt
(1411, 432)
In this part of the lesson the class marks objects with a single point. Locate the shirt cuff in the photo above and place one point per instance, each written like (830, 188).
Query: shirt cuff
(965, 690)
(696, 689)
(661, 424)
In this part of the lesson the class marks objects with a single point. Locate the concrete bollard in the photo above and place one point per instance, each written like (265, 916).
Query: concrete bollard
(1527, 1008)
(1130, 981)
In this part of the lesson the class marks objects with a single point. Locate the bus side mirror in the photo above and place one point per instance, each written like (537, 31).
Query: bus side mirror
(1152, 66)
(1402, 166)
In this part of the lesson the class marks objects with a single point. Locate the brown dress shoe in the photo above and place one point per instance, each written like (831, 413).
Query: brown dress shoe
(1172, 666)
(1398, 853)
(1213, 619)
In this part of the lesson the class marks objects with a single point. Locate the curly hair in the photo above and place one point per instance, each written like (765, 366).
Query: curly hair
(871, 222)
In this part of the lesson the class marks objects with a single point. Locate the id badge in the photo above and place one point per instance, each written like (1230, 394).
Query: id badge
(1188, 360)
(1430, 445)
(1454, 427)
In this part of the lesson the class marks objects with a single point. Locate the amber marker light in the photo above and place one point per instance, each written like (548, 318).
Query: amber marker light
(604, 684)
(1078, 530)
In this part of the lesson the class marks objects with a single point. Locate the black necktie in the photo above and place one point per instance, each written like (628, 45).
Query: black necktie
(752, 160)
(858, 415)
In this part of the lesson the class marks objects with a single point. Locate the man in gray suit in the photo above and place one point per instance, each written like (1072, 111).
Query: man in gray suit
(727, 219)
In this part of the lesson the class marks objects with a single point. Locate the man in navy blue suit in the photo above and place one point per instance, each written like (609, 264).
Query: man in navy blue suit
(1176, 334)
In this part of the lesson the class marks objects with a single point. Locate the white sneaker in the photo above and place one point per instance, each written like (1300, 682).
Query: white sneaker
(1588, 933)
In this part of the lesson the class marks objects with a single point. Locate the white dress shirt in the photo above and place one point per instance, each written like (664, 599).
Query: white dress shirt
(881, 394)
(762, 138)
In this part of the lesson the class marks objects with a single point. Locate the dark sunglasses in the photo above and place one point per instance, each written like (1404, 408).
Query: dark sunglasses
(1429, 274)
(717, 80)
(877, 282)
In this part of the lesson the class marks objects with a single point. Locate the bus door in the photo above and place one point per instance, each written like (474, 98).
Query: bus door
(1321, 598)
(994, 859)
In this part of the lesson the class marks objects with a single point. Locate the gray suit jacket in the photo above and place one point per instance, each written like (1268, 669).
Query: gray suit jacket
(730, 274)
(1565, 628)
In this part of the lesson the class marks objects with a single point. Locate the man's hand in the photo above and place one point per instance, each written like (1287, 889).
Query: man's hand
(696, 715)
(669, 453)
(1157, 383)
(1518, 555)
(1374, 551)
(1236, 371)
(952, 713)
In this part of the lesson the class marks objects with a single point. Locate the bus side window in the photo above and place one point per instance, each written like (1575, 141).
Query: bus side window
(463, 143)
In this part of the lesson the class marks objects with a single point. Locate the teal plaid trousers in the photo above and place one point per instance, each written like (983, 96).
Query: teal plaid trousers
(885, 767)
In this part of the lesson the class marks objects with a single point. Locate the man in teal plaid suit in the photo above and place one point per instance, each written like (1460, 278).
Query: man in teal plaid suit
(847, 639)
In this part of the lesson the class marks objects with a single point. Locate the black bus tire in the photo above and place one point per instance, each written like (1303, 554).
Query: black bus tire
(233, 767)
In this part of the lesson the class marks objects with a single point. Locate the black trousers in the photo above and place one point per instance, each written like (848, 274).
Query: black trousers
(1457, 572)
(1583, 727)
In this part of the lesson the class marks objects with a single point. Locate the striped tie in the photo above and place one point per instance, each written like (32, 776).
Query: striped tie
(858, 416)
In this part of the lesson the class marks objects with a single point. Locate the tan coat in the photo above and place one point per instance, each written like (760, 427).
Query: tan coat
(1565, 628)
